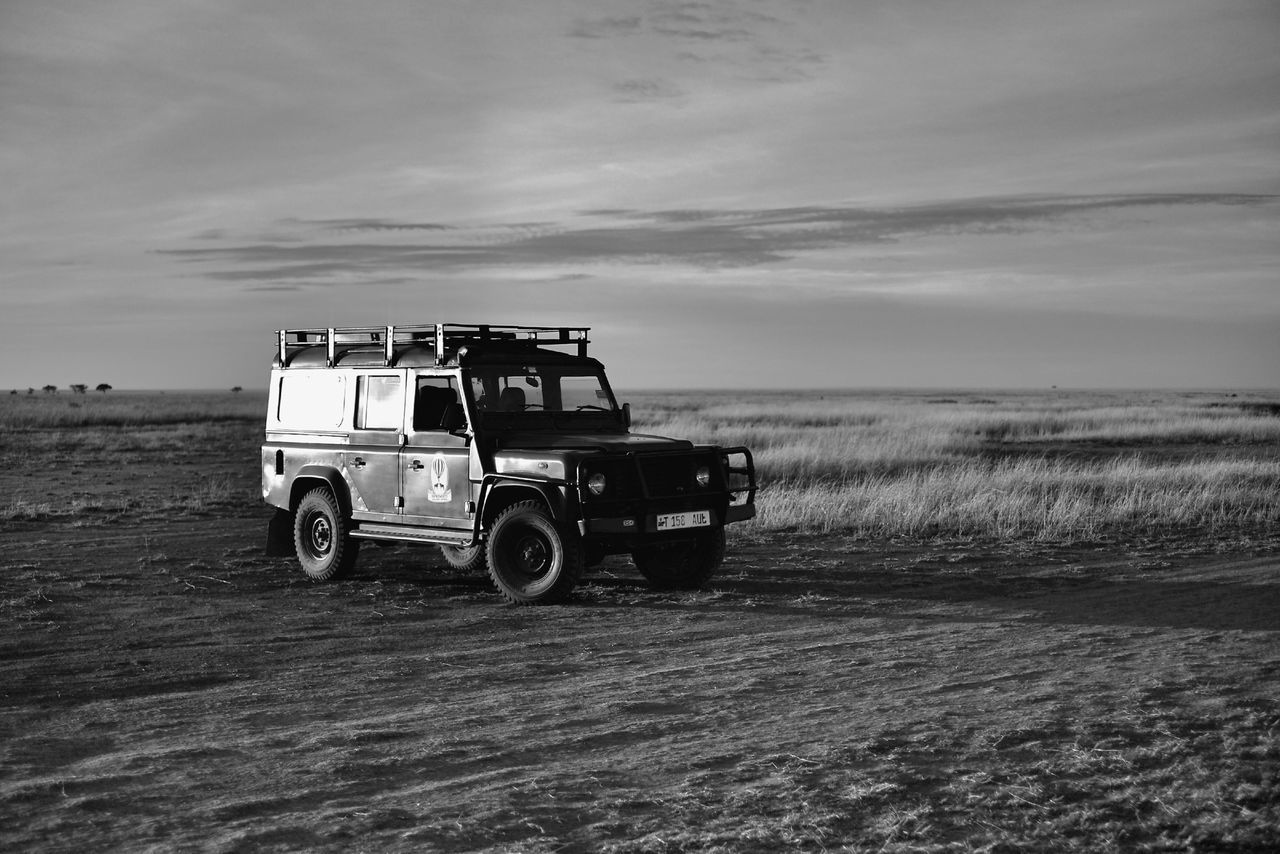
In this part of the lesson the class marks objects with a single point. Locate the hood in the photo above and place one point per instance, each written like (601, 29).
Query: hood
(616, 443)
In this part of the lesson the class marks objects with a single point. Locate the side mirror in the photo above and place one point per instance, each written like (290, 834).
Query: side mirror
(626, 415)
(454, 418)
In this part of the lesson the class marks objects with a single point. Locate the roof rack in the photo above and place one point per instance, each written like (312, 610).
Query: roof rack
(443, 337)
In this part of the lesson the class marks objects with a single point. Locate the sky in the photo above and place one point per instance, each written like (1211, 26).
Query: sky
(773, 194)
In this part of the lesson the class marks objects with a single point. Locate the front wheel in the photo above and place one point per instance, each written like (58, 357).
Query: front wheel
(684, 565)
(320, 537)
(531, 561)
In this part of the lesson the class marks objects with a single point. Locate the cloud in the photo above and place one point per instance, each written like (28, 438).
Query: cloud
(964, 216)
(372, 225)
(695, 238)
(691, 21)
(636, 91)
(604, 28)
(705, 22)
(750, 45)
(782, 65)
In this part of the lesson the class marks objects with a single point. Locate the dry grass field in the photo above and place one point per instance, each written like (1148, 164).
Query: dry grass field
(1039, 467)
(962, 622)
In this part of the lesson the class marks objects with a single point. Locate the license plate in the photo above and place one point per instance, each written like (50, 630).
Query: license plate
(691, 519)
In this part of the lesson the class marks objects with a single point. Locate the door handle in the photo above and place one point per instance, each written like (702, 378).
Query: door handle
(417, 465)
(358, 462)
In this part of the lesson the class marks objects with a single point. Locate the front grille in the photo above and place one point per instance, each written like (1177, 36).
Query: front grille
(666, 476)
(643, 477)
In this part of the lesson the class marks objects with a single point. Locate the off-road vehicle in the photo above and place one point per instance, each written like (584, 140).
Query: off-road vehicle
(502, 445)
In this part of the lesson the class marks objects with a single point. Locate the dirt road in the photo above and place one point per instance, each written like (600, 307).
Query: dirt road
(166, 686)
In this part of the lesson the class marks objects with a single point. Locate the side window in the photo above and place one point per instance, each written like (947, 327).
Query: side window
(312, 400)
(480, 394)
(432, 397)
(379, 403)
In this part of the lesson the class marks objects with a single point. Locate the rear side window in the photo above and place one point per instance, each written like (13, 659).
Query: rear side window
(312, 400)
(379, 403)
(433, 397)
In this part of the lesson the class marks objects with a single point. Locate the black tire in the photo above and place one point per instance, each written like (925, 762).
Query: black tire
(467, 559)
(531, 561)
(321, 537)
(682, 565)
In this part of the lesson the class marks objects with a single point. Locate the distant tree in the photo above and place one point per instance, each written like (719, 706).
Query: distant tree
(51, 389)
(30, 390)
(79, 388)
(103, 387)
(13, 391)
(236, 389)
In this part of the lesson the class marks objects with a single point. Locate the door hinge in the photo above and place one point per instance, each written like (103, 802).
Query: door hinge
(399, 501)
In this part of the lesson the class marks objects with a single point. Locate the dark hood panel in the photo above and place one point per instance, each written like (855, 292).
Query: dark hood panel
(614, 443)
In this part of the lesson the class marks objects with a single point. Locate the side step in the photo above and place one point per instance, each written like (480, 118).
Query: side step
(402, 534)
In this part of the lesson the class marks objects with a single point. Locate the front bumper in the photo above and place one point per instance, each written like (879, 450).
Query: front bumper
(656, 486)
(648, 523)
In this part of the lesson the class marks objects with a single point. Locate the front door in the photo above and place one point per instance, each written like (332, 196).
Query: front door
(434, 462)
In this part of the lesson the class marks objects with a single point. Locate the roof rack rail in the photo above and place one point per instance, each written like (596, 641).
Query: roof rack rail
(443, 337)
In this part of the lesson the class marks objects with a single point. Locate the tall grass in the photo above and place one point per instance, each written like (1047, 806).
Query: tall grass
(1042, 467)
(1061, 466)
(1037, 499)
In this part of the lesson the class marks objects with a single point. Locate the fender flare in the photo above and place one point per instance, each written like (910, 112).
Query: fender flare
(553, 494)
(308, 477)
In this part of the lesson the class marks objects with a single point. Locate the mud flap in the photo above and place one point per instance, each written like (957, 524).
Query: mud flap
(280, 534)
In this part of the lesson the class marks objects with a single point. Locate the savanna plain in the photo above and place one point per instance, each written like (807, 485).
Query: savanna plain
(963, 621)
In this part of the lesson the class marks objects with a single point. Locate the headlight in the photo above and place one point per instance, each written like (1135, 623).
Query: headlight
(595, 483)
(703, 476)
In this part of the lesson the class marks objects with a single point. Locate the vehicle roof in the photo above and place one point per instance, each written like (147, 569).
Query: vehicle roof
(424, 356)
(430, 345)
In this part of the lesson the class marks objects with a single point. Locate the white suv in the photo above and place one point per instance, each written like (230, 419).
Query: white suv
(502, 445)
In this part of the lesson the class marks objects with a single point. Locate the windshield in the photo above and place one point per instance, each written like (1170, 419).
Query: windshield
(539, 388)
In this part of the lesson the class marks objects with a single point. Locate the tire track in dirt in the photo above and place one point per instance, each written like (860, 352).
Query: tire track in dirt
(195, 694)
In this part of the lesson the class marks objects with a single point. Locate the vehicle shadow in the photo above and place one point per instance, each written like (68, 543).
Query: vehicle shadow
(858, 585)
(1219, 606)
(1039, 595)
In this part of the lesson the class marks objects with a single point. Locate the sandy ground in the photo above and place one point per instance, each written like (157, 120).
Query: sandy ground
(163, 685)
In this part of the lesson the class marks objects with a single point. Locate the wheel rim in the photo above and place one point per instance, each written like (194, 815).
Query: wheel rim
(319, 535)
(531, 554)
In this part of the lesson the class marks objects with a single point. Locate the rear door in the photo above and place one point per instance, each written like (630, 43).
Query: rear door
(372, 460)
(435, 463)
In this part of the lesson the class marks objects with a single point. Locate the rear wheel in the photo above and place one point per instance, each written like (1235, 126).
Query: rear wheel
(467, 559)
(321, 537)
(531, 561)
(683, 565)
